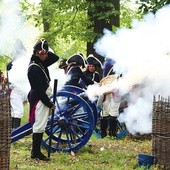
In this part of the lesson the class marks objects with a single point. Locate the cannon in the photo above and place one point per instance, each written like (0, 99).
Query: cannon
(75, 120)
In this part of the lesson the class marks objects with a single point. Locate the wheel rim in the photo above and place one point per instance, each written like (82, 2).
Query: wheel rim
(78, 90)
(73, 123)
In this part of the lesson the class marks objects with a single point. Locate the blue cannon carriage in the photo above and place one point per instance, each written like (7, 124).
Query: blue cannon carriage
(75, 120)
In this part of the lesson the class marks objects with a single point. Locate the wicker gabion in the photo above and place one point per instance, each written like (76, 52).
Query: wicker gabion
(161, 132)
(5, 131)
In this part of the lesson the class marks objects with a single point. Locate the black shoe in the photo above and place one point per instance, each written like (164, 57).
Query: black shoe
(112, 133)
(39, 156)
(103, 135)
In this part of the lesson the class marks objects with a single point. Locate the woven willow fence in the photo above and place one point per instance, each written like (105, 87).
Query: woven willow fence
(5, 131)
(161, 132)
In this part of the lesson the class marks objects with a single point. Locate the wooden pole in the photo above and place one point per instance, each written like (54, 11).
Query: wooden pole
(52, 116)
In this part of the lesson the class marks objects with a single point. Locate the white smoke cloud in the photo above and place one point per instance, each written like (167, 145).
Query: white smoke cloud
(59, 74)
(142, 55)
(18, 74)
(18, 37)
(14, 26)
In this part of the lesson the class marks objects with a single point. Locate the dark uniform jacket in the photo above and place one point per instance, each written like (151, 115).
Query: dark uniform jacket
(108, 67)
(93, 76)
(76, 74)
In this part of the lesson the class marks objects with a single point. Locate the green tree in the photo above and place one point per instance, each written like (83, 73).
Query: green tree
(102, 14)
(64, 23)
(128, 13)
(3, 62)
(151, 5)
(69, 25)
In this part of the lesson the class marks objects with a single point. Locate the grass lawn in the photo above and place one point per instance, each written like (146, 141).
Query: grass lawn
(97, 154)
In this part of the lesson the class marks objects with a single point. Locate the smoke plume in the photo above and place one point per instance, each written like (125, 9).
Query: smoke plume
(142, 55)
(18, 37)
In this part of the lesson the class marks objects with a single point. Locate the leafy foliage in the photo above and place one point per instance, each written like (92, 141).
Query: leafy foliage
(3, 62)
(66, 24)
(151, 5)
(66, 21)
(128, 14)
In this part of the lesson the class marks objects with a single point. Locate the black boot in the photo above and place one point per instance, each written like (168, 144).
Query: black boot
(16, 122)
(36, 147)
(112, 126)
(103, 126)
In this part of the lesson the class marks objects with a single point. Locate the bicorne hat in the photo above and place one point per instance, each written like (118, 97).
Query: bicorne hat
(62, 63)
(108, 68)
(94, 61)
(41, 45)
(78, 59)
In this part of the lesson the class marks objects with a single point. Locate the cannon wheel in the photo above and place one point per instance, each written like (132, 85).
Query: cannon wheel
(78, 90)
(73, 123)
(121, 128)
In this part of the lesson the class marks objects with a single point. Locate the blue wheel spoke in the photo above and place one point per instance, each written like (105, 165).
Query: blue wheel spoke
(78, 117)
(79, 120)
(73, 122)
(83, 126)
(46, 139)
(59, 138)
(75, 109)
(68, 140)
(76, 134)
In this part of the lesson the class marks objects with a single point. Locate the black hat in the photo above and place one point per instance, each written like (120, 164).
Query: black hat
(94, 61)
(108, 67)
(41, 45)
(63, 63)
(77, 58)
(9, 66)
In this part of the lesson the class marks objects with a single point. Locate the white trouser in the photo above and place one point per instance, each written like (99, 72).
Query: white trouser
(41, 118)
(41, 115)
(17, 99)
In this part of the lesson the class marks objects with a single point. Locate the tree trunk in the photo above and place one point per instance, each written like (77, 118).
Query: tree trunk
(99, 24)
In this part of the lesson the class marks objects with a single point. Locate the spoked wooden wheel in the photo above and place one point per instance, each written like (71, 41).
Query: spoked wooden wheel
(79, 91)
(73, 123)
